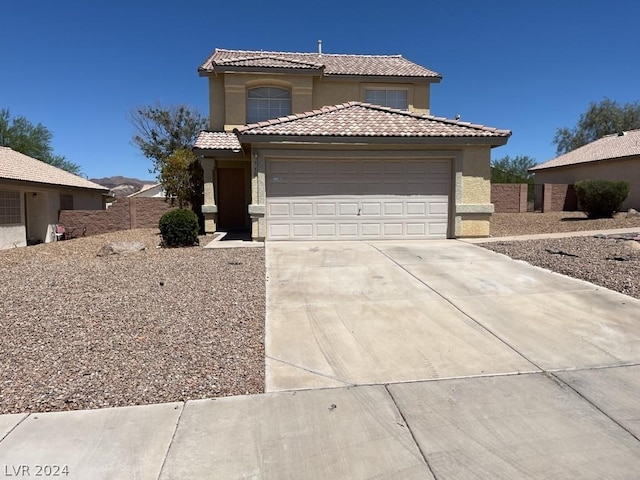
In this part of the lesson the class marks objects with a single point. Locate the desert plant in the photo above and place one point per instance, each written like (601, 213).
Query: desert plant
(601, 198)
(179, 228)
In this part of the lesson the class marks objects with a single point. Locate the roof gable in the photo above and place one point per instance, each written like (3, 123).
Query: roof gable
(333, 64)
(17, 166)
(609, 147)
(357, 119)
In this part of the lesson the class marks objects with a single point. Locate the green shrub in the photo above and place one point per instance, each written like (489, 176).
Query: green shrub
(601, 198)
(179, 228)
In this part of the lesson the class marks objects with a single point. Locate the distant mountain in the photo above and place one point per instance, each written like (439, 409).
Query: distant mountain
(122, 186)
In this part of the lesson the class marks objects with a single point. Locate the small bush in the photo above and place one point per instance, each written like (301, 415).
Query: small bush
(179, 228)
(601, 198)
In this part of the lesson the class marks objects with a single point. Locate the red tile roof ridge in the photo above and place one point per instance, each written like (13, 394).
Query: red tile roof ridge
(269, 52)
(227, 61)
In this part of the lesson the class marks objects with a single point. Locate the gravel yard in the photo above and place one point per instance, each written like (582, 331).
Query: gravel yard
(81, 331)
(612, 262)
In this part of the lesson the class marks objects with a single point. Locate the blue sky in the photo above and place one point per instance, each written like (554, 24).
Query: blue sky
(80, 67)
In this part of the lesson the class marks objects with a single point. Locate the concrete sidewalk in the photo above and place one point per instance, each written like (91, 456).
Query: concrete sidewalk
(447, 361)
(543, 236)
(576, 424)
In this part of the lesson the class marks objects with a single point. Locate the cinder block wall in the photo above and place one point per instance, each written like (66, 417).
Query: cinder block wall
(559, 197)
(123, 214)
(509, 197)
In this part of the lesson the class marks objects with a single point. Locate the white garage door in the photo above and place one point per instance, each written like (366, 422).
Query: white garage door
(357, 199)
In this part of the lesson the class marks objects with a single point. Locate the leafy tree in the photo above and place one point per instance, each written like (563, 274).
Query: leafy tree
(32, 140)
(176, 174)
(599, 120)
(160, 131)
(512, 170)
(165, 135)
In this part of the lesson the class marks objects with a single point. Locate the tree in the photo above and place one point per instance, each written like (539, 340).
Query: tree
(512, 170)
(32, 140)
(165, 135)
(599, 120)
(160, 131)
(175, 176)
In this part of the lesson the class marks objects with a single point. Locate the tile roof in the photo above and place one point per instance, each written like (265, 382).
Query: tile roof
(607, 148)
(333, 64)
(357, 119)
(217, 141)
(17, 166)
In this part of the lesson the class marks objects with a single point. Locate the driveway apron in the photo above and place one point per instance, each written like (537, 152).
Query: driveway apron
(356, 313)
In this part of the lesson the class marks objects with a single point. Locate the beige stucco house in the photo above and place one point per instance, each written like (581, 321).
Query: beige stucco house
(613, 157)
(32, 193)
(330, 147)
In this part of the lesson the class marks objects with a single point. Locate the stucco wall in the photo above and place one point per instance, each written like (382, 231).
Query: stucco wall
(39, 208)
(627, 170)
(12, 236)
(473, 206)
(228, 92)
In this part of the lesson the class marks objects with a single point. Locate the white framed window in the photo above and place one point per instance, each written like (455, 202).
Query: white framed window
(10, 208)
(387, 98)
(266, 103)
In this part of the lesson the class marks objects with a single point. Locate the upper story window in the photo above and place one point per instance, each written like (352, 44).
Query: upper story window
(10, 208)
(266, 103)
(388, 98)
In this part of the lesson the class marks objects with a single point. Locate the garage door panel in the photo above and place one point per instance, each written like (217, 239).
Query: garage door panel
(325, 209)
(279, 231)
(348, 229)
(438, 208)
(371, 230)
(279, 209)
(351, 199)
(416, 229)
(302, 230)
(393, 229)
(326, 230)
(417, 208)
(393, 209)
(347, 209)
(371, 208)
(303, 209)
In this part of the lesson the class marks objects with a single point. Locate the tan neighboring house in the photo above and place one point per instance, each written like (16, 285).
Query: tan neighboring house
(32, 193)
(154, 190)
(613, 157)
(316, 146)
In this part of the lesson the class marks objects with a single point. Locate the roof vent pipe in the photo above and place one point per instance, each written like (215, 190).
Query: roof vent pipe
(319, 47)
(622, 133)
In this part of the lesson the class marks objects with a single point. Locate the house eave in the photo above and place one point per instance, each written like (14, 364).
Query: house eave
(540, 168)
(384, 78)
(380, 140)
(29, 183)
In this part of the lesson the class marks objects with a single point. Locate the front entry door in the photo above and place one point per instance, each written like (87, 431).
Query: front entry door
(232, 207)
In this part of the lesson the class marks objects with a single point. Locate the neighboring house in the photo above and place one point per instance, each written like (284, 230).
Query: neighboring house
(32, 193)
(150, 191)
(613, 157)
(329, 147)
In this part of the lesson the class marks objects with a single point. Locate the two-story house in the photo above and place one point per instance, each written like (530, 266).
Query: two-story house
(317, 146)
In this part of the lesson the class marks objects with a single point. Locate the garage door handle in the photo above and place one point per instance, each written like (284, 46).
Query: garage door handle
(359, 210)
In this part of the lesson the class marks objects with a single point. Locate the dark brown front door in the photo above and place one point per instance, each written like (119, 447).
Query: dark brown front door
(232, 207)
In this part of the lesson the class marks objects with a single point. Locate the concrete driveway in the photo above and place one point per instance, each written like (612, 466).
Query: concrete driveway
(357, 313)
